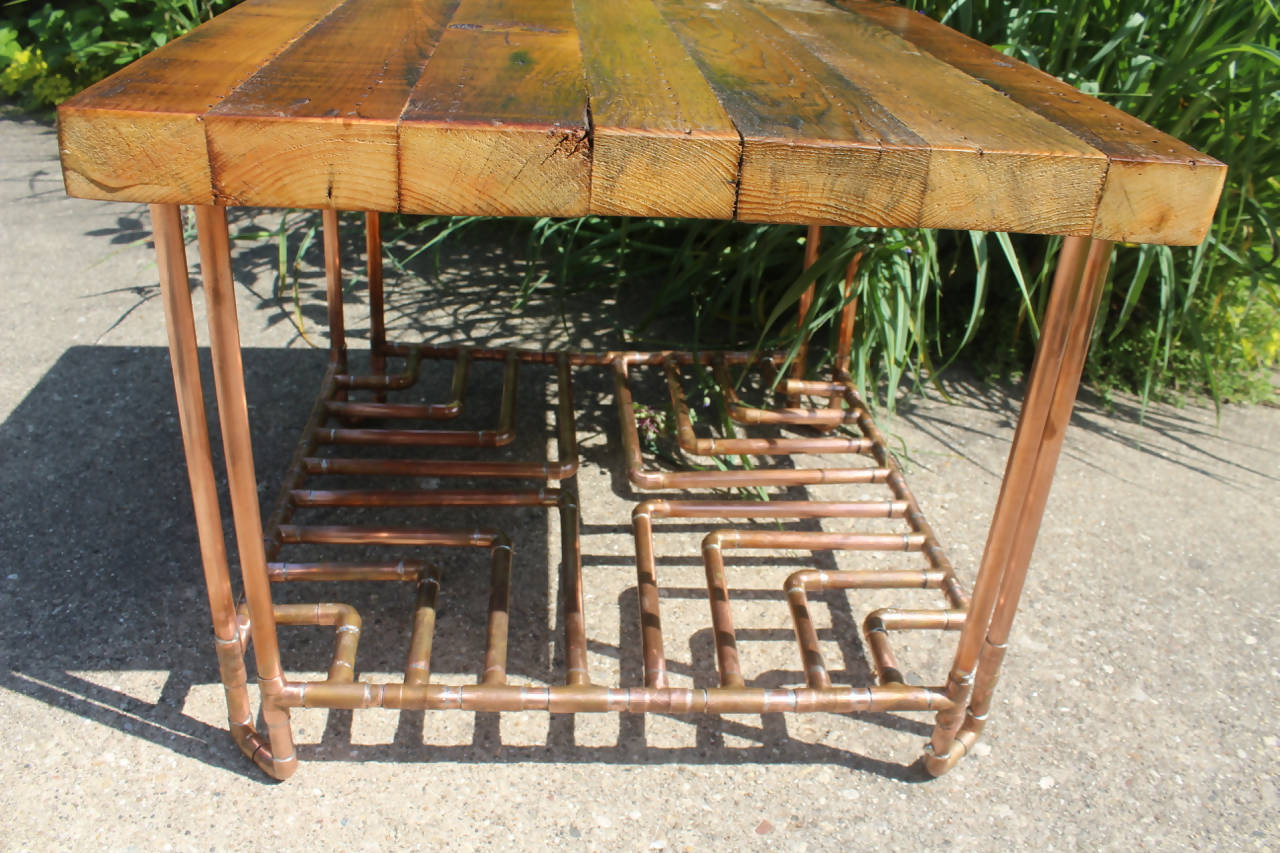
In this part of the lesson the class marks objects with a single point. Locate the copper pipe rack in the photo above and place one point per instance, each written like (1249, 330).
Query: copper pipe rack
(370, 455)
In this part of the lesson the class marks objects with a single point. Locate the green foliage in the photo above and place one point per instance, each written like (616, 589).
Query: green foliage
(51, 50)
(1174, 319)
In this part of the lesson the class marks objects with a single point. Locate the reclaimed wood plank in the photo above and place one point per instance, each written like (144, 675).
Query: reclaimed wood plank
(661, 143)
(497, 124)
(993, 164)
(316, 127)
(816, 148)
(1157, 188)
(138, 135)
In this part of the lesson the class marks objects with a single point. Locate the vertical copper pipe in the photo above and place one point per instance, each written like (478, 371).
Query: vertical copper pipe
(417, 669)
(655, 659)
(1054, 379)
(495, 646)
(180, 323)
(844, 340)
(812, 243)
(233, 415)
(377, 306)
(333, 290)
(721, 613)
(575, 626)
(1068, 385)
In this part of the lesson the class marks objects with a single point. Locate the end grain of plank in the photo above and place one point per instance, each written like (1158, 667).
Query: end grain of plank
(138, 135)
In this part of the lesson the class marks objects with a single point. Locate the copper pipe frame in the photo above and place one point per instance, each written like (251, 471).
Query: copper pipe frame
(983, 623)
(1024, 491)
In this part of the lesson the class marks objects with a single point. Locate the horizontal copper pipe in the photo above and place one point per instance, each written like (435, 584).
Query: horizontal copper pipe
(386, 381)
(805, 540)
(341, 616)
(421, 498)
(879, 623)
(691, 443)
(451, 408)
(662, 508)
(429, 468)
(593, 698)
(745, 414)
(647, 479)
(421, 536)
(404, 570)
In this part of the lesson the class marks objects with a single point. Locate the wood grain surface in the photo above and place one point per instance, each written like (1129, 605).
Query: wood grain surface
(848, 112)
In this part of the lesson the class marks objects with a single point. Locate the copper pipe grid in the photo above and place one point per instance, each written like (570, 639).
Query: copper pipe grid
(408, 439)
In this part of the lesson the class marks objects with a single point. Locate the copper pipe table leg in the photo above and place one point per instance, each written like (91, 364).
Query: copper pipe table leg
(1051, 392)
(233, 416)
(180, 323)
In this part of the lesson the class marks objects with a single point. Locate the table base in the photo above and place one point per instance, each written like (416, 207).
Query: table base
(370, 445)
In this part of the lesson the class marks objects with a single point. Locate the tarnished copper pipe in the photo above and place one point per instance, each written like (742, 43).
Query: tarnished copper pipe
(296, 473)
(384, 381)
(1064, 341)
(691, 443)
(848, 317)
(180, 323)
(417, 669)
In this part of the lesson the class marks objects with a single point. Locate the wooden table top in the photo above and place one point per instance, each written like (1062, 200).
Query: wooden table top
(850, 112)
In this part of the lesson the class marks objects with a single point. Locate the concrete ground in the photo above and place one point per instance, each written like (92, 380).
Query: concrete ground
(1137, 708)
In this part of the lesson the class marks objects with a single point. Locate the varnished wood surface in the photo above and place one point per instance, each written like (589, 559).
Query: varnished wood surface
(852, 112)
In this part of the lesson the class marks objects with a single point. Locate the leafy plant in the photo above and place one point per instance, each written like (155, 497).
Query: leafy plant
(51, 50)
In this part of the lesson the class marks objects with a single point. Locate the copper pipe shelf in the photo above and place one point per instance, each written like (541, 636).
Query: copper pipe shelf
(359, 446)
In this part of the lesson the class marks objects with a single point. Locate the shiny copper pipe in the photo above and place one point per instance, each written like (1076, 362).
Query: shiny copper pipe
(344, 618)
(799, 584)
(879, 623)
(691, 443)
(501, 436)
(385, 381)
(592, 698)
(333, 290)
(647, 479)
(495, 646)
(233, 414)
(745, 414)
(403, 570)
(812, 244)
(430, 411)
(409, 498)
(417, 669)
(1055, 376)
(377, 304)
(180, 322)
(898, 485)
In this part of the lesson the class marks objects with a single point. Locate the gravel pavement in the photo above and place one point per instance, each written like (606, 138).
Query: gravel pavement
(1136, 710)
